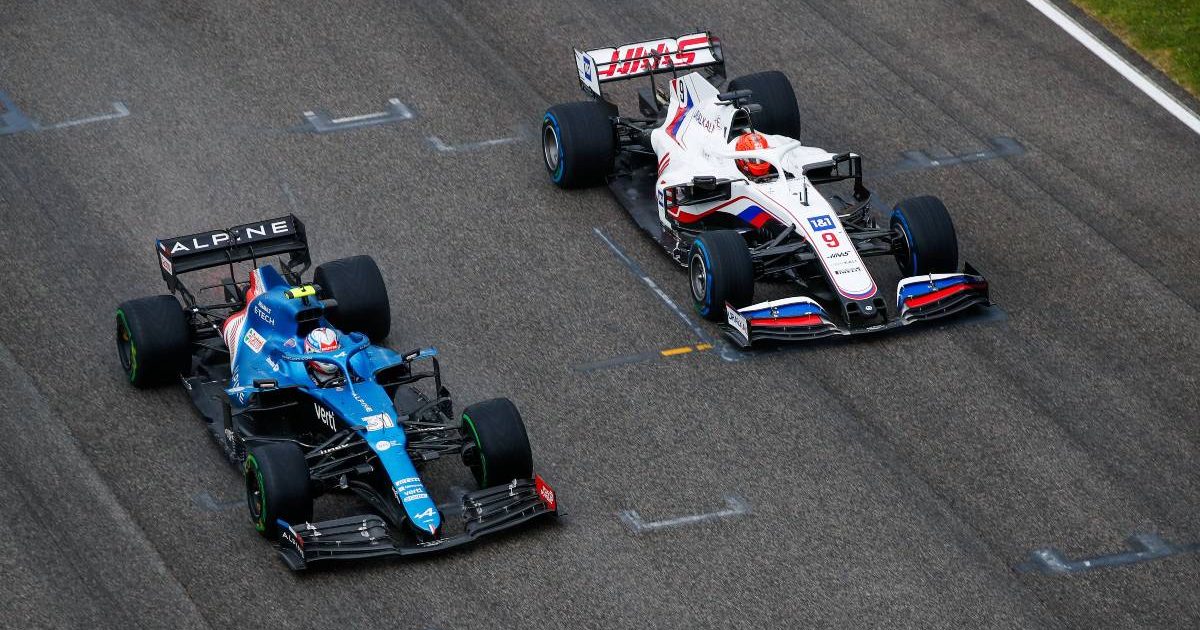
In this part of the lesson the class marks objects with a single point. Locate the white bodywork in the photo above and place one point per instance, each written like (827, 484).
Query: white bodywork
(695, 141)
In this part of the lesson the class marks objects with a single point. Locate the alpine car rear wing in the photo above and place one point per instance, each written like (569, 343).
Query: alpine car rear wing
(691, 52)
(272, 237)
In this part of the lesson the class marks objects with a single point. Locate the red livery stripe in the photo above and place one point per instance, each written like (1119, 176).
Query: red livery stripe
(928, 298)
(779, 322)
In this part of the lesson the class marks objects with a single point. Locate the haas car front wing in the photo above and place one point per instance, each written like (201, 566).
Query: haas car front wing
(484, 512)
(918, 299)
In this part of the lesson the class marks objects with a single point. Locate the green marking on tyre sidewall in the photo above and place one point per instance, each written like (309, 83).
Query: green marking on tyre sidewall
(132, 348)
(260, 523)
(478, 447)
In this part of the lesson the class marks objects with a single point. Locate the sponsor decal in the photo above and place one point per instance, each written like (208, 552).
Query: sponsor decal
(838, 255)
(254, 341)
(824, 222)
(326, 451)
(634, 59)
(290, 343)
(264, 313)
(737, 321)
(709, 124)
(220, 238)
(426, 513)
(290, 536)
(326, 416)
(378, 421)
(409, 489)
(545, 492)
(166, 264)
(362, 402)
(842, 272)
(383, 445)
(274, 366)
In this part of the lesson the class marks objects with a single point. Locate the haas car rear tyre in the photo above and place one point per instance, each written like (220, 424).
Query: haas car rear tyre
(579, 143)
(720, 270)
(496, 445)
(362, 300)
(780, 114)
(926, 240)
(153, 340)
(277, 487)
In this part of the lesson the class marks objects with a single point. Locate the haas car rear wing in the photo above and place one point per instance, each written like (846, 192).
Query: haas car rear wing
(273, 237)
(691, 52)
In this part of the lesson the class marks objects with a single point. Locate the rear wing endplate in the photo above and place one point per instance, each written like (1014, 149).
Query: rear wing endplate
(272, 237)
(690, 52)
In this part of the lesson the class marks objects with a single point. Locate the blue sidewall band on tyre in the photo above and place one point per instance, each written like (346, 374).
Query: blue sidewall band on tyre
(558, 173)
(912, 246)
(707, 306)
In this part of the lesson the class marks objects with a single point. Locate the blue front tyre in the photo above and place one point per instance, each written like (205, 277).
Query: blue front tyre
(720, 270)
(926, 242)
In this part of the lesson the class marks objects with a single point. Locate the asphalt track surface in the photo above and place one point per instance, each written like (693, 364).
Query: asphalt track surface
(895, 481)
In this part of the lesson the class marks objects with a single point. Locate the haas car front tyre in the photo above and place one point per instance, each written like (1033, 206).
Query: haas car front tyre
(277, 487)
(720, 270)
(496, 447)
(780, 114)
(579, 143)
(925, 239)
(153, 340)
(357, 287)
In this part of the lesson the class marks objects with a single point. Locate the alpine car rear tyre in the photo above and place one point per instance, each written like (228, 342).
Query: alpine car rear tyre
(153, 340)
(579, 143)
(720, 270)
(362, 299)
(927, 242)
(497, 447)
(780, 113)
(277, 487)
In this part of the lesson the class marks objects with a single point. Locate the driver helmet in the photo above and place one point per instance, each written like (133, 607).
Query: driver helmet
(322, 340)
(747, 142)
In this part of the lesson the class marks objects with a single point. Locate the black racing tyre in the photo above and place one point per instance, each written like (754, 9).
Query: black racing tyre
(153, 340)
(497, 447)
(780, 113)
(579, 143)
(926, 240)
(362, 299)
(720, 270)
(277, 486)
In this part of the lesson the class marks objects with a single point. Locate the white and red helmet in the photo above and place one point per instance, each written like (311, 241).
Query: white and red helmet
(322, 340)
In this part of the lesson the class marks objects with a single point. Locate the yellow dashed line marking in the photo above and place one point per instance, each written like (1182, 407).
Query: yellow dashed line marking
(700, 347)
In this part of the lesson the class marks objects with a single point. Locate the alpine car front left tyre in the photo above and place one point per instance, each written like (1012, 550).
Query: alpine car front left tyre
(153, 340)
(578, 143)
(277, 487)
(357, 287)
(496, 444)
(720, 270)
(927, 241)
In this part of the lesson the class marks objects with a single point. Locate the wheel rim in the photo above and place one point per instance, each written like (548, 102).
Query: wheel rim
(550, 148)
(908, 261)
(699, 276)
(254, 496)
(124, 345)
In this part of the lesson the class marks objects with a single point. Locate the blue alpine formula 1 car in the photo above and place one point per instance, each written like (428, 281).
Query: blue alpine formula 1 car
(291, 384)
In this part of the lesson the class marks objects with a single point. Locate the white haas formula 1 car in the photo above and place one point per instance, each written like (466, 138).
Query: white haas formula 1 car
(720, 180)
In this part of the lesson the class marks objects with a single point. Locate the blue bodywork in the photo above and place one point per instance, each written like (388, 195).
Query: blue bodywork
(267, 346)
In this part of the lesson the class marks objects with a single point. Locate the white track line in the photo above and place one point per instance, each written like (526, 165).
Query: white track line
(1106, 54)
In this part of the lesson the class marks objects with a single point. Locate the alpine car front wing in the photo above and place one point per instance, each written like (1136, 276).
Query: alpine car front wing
(484, 512)
(918, 299)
